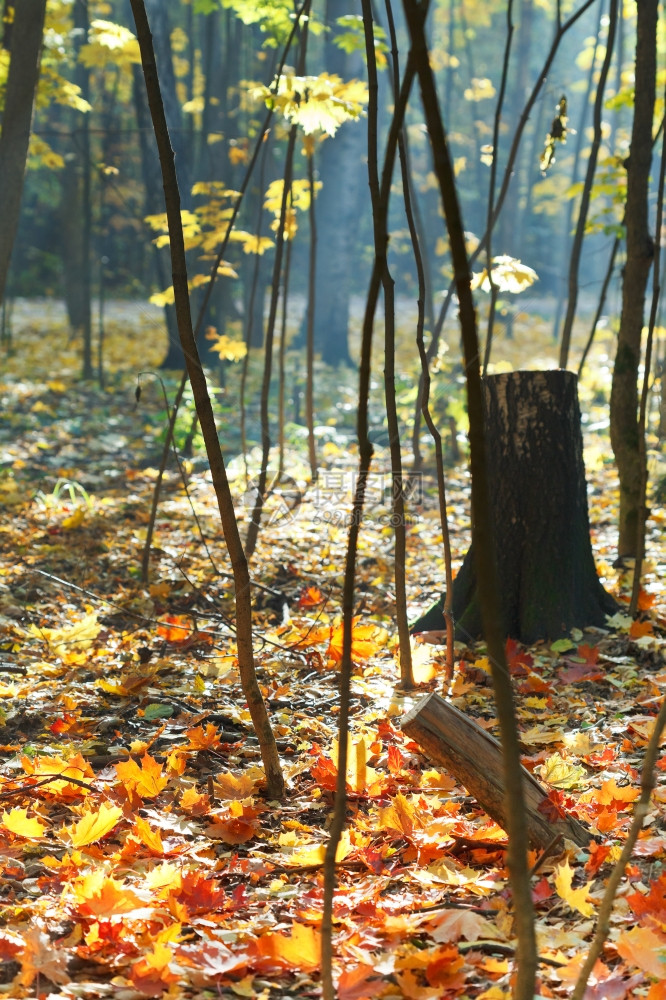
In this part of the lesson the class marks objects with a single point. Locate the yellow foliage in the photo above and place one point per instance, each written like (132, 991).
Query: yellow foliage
(109, 43)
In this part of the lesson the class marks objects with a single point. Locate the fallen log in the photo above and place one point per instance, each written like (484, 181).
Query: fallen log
(474, 758)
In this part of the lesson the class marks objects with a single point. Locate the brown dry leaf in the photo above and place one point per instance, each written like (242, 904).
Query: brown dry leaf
(41, 957)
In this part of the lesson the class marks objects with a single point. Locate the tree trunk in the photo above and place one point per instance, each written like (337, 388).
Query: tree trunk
(152, 182)
(341, 173)
(640, 251)
(159, 21)
(548, 580)
(26, 42)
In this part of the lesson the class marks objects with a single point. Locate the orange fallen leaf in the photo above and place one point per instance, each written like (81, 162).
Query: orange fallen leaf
(366, 641)
(175, 628)
(359, 982)
(42, 958)
(194, 802)
(611, 793)
(100, 896)
(645, 948)
(310, 598)
(151, 974)
(74, 767)
(203, 739)
(146, 835)
(147, 781)
(638, 629)
(236, 786)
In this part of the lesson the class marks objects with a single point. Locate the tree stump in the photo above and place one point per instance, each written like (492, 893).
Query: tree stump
(546, 573)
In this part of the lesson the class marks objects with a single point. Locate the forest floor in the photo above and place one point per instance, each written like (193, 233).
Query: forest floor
(138, 854)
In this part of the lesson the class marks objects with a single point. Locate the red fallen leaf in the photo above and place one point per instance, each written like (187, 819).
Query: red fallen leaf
(552, 807)
(577, 672)
(601, 759)
(62, 724)
(396, 759)
(598, 857)
(518, 661)
(533, 684)
(238, 895)
(372, 858)
(590, 654)
(542, 890)
(200, 894)
(325, 773)
(310, 597)
(10, 945)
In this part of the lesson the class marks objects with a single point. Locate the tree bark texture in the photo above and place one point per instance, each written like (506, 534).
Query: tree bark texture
(26, 42)
(546, 570)
(337, 207)
(474, 758)
(640, 251)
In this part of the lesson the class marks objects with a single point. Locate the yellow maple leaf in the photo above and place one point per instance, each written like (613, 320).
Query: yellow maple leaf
(165, 878)
(79, 635)
(75, 519)
(359, 775)
(313, 854)
(561, 773)
(147, 781)
(17, 822)
(94, 825)
(400, 815)
(575, 898)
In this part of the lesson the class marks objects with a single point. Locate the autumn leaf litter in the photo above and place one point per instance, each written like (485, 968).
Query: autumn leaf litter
(139, 855)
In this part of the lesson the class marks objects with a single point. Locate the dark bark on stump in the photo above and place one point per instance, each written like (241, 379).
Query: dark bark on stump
(548, 581)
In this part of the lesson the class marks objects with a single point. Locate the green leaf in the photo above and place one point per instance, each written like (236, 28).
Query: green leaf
(562, 645)
(158, 711)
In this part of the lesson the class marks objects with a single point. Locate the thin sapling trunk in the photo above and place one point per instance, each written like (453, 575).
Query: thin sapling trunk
(257, 708)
